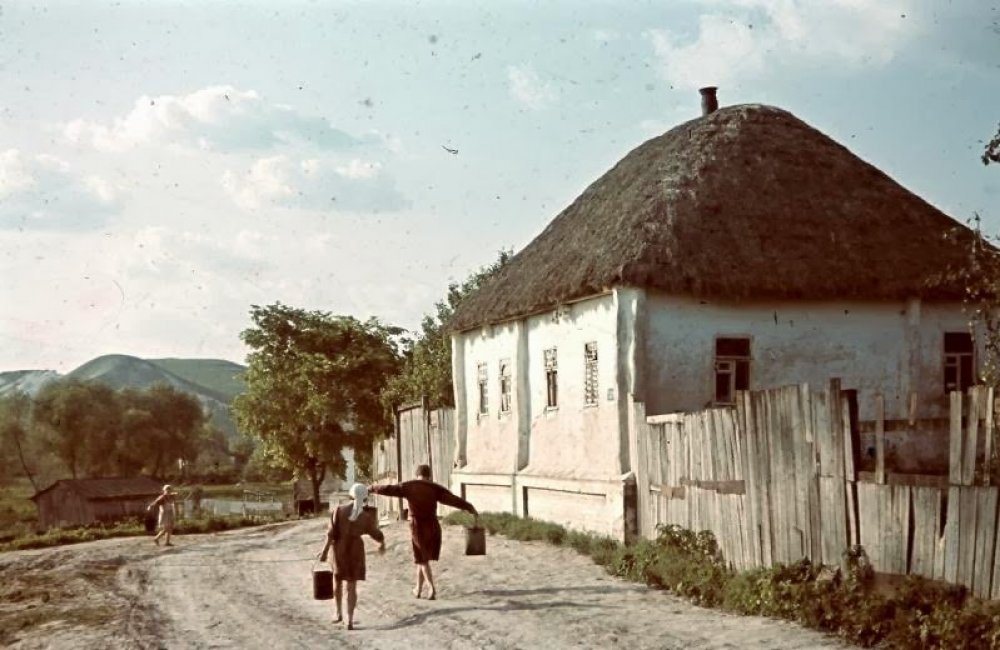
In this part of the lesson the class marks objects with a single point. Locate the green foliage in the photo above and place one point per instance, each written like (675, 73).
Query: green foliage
(131, 528)
(427, 370)
(980, 275)
(313, 385)
(844, 601)
(992, 151)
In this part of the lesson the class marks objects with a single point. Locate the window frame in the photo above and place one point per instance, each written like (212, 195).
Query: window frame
(591, 384)
(506, 386)
(953, 360)
(482, 379)
(734, 361)
(550, 359)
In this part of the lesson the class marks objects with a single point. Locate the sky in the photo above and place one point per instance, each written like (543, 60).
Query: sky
(166, 165)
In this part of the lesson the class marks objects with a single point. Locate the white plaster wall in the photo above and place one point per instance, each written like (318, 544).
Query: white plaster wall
(574, 440)
(888, 347)
(490, 439)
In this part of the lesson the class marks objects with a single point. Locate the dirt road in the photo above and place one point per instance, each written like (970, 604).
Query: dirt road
(253, 589)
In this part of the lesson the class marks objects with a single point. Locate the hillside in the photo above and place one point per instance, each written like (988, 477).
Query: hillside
(223, 377)
(122, 371)
(26, 381)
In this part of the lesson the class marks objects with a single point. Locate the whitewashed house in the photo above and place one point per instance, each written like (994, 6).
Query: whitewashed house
(740, 250)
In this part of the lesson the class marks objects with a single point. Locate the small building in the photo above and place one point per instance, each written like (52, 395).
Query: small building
(81, 502)
(740, 250)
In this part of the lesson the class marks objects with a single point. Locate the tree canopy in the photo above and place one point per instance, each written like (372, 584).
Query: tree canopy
(427, 368)
(312, 387)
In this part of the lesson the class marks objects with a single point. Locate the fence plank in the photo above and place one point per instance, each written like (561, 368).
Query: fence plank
(986, 529)
(966, 535)
(951, 534)
(971, 443)
(955, 440)
(880, 439)
(988, 435)
(926, 525)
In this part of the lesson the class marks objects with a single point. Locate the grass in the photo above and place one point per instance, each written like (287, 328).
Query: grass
(846, 601)
(19, 523)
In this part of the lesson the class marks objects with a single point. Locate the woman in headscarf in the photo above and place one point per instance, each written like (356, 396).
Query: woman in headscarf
(347, 524)
(165, 502)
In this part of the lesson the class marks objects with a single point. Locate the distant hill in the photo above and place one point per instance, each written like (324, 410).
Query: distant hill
(223, 377)
(213, 382)
(26, 381)
(122, 371)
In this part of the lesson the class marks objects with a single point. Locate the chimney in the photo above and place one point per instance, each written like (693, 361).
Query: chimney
(709, 102)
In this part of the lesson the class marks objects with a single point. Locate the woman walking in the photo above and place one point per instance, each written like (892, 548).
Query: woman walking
(165, 502)
(347, 524)
(423, 495)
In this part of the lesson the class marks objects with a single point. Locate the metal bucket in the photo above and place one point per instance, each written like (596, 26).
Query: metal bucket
(475, 541)
(322, 583)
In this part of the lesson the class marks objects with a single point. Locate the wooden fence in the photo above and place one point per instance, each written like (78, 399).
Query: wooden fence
(422, 437)
(775, 479)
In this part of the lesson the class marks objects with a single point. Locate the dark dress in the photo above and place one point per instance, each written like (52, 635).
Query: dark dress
(345, 537)
(423, 497)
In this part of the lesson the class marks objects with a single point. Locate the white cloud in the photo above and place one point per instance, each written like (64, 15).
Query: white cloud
(528, 89)
(317, 184)
(217, 117)
(45, 192)
(740, 39)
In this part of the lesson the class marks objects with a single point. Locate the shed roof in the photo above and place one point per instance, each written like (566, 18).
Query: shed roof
(108, 488)
(748, 202)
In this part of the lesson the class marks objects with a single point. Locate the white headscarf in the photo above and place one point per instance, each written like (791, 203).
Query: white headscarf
(359, 493)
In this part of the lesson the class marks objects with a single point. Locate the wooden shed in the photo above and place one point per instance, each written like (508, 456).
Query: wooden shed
(81, 502)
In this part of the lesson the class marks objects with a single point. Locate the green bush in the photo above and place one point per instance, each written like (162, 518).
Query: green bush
(844, 601)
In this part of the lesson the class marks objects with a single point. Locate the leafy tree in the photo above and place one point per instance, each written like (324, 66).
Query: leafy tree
(312, 387)
(980, 275)
(160, 426)
(14, 421)
(80, 422)
(427, 370)
(992, 152)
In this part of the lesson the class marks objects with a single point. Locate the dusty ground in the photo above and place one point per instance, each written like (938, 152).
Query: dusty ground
(253, 589)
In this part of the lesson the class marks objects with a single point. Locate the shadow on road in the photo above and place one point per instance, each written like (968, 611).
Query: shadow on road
(417, 619)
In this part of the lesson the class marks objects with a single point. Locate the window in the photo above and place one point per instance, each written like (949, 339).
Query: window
(505, 386)
(484, 406)
(551, 379)
(959, 371)
(732, 368)
(590, 373)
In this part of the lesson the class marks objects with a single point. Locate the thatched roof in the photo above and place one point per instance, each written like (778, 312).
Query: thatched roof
(748, 202)
(99, 489)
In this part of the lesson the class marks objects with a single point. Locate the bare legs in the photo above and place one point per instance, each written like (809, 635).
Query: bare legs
(165, 530)
(424, 573)
(352, 601)
(338, 596)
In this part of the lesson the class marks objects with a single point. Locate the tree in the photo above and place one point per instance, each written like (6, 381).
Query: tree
(427, 369)
(992, 152)
(14, 414)
(980, 275)
(160, 426)
(81, 424)
(312, 387)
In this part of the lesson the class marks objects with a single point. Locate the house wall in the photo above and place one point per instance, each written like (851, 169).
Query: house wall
(888, 347)
(563, 463)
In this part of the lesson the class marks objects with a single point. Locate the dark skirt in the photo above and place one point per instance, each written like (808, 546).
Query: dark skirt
(425, 535)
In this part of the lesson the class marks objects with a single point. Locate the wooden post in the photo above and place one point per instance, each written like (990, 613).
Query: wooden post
(880, 439)
(955, 440)
(971, 443)
(988, 436)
